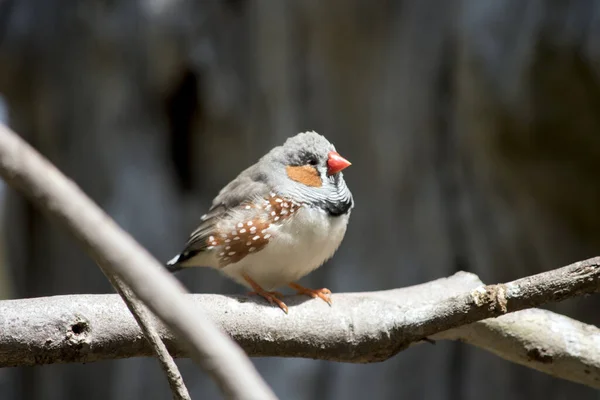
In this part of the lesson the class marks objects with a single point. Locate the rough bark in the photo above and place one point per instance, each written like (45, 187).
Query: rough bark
(539, 339)
(358, 328)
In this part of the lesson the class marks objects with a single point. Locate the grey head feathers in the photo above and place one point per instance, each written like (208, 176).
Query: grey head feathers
(307, 149)
(269, 175)
(302, 149)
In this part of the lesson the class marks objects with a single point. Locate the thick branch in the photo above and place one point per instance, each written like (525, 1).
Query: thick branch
(539, 339)
(359, 327)
(117, 253)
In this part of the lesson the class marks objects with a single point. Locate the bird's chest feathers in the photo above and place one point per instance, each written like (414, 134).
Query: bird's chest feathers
(299, 246)
(306, 242)
(313, 233)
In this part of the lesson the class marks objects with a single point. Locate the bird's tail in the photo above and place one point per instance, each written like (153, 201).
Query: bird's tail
(173, 264)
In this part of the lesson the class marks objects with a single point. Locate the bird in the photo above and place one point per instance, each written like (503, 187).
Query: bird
(277, 221)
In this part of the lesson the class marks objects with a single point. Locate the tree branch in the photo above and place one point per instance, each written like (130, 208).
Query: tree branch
(539, 339)
(117, 253)
(358, 328)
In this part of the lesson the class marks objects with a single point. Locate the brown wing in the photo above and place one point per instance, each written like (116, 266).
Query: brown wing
(252, 234)
(244, 235)
(249, 185)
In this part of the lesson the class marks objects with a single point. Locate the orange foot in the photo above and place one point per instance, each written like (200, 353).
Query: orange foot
(271, 297)
(324, 293)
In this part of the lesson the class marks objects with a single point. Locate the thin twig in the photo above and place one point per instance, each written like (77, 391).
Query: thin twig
(118, 253)
(140, 313)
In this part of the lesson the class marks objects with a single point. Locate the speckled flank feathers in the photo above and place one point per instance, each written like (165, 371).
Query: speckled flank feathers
(253, 234)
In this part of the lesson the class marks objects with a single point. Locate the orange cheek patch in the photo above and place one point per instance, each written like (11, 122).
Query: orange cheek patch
(305, 174)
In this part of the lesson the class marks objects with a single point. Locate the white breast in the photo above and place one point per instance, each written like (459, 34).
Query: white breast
(299, 246)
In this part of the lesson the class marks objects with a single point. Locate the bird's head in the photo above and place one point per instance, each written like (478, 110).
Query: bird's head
(310, 169)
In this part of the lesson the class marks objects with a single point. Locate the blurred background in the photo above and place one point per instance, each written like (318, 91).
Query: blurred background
(473, 129)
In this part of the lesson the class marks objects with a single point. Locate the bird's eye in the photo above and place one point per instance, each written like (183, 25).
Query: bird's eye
(313, 161)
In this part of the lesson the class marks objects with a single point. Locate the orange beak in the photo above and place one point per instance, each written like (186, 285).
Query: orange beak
(336, 163)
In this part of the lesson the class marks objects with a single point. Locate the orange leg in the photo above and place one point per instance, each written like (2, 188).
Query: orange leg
(272, 297)
(324, 293)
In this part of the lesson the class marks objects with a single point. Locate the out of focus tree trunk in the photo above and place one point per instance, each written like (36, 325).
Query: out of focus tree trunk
(472, 128)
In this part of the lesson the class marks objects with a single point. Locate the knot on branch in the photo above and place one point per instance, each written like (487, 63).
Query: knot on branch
(77, 331)
(492, 296)
(540, 354)
(586, 268)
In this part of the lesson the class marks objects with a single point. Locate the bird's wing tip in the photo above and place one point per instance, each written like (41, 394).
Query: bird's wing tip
(173, 264)
(173, 260)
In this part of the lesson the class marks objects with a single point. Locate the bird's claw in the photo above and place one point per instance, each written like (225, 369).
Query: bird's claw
(323, 293)
(272, 297)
